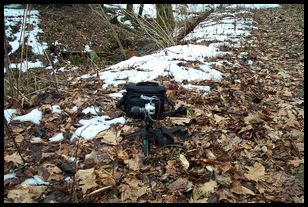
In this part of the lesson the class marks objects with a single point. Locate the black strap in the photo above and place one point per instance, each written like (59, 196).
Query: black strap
(164, 136)
(181, 111)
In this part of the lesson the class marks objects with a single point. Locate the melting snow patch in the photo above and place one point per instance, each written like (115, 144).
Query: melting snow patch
(201, 89)
(34, 116)
(36, 180)
(116, 95)
(56, 109)
(8, 114)
(57, 138)
(92, 110)
(75, 108)
(27, 65)
(167, 62)
(87, 48)
(13, 16)
(9, 176)
(95, 125)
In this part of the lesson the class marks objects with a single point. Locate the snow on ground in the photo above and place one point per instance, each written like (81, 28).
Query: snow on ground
(13, 20)
(9, 176)
(166, 62)
(36, 180)
(25, 65)
(57, 138)
(8, 114)
(34, 116)
(56, 109)
(91, 110)
(92, 127)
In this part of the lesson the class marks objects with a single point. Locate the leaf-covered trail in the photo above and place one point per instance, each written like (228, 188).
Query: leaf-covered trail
(248, 143)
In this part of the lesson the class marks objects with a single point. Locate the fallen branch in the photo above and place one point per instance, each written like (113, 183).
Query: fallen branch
(192, 24)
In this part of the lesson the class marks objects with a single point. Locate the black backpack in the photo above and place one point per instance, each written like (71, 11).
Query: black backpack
(139, 94)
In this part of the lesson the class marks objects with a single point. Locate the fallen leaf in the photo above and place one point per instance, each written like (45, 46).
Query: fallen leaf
(129, 193)
(15, 158)
(218, 118)
(122, 155)
(296, 162)
(180, 120)
(184, 161)
(246, 128)
(253, 118)
(92, 156)
(132, 190)
(300, 146)
(55, 173)
(107, 178)
(110, 136)
(170, 168)
(19, 138)
(239, 189)
(210, 155)
(179, 184)
(223, 180)
(256, 172)
(88, 179)
(132, 164)
(204, 189)
(26, 194)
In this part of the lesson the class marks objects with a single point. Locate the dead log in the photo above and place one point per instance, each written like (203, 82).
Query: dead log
(190, 26)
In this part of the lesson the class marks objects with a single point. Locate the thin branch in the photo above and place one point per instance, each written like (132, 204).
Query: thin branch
(9, 134)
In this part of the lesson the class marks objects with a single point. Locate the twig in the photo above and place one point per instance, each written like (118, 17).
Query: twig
(9, 134)
(53, 68)
(99, 190)
(73, 192)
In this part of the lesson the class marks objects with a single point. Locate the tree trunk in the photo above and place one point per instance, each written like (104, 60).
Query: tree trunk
(140, 10)
(129, 11)
(165, 18)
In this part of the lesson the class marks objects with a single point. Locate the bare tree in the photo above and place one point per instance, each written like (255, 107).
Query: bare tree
(165, 18)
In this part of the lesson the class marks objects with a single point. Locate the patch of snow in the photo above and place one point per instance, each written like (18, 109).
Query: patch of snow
(13, 16)
(36, 180)
(8, 114)
(55, 60)
(91, 110)
(116, 95)
(25, 65)
(57, 138)
(34, 116)
(49, 67)
(200, 89)
(250, 62)
(9, 176)
(87, 48)
(164, 63)
(75, 108)
(56, 109)
(254, 6)
(237, 81)
(93, 126)
(229, 27)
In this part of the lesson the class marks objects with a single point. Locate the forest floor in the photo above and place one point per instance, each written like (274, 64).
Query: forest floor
(248, 136)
